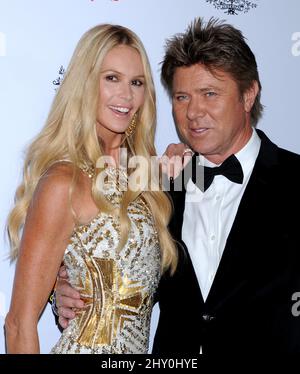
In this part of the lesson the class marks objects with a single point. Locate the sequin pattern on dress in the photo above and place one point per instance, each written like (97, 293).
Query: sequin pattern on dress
(117, 287)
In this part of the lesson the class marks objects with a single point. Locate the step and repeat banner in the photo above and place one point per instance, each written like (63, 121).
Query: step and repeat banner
(37, 39)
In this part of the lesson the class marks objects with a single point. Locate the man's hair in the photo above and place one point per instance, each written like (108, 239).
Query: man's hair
(216, 45)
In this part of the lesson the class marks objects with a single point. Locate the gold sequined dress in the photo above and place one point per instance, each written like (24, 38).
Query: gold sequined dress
(117, 287)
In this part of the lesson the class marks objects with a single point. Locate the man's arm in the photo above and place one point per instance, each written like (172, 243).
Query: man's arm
(66, 298)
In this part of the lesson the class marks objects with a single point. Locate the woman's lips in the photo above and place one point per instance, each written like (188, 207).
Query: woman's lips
(120, 110)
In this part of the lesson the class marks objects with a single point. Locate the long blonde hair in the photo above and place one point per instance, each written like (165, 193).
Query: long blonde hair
(70, 134)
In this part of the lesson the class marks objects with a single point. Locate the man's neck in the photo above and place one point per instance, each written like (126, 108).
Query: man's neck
(238, 144)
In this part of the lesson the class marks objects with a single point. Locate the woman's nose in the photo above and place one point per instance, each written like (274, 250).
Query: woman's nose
(126, 91)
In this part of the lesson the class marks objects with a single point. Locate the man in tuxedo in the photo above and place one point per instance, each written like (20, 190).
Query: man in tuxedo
(238, 245)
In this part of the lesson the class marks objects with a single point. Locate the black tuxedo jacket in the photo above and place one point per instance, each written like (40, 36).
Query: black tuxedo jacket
(250, 305)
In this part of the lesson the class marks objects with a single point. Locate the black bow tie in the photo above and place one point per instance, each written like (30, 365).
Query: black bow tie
(230, 168)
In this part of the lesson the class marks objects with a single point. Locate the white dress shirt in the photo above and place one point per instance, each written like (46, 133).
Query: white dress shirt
(208, 216)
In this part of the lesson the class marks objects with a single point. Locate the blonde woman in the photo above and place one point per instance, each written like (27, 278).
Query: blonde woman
(114, 242)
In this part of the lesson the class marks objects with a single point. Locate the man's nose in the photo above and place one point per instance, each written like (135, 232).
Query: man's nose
(195, 109)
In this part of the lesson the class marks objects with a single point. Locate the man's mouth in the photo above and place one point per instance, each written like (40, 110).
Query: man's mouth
(199, 130)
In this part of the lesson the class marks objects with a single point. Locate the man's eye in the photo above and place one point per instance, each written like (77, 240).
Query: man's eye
(181, 97)
(112, 78)
(210, 93)
(137, 83)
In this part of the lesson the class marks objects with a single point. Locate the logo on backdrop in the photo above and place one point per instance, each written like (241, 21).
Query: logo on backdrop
(233, 7)
(59, 79)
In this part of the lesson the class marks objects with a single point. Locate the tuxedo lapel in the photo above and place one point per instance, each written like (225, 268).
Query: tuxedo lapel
(178, 198)
(234, 265)
(178, 194)
(185, 270)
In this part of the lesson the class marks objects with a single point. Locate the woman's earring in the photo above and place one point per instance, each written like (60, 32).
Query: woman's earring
(131, 128)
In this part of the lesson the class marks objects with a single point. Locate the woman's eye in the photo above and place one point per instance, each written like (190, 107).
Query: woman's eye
(137, 82)
(112, 78)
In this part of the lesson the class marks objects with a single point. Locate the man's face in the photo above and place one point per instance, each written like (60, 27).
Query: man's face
(210, 113)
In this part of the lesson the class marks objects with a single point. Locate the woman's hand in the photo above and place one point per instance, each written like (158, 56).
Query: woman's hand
(175, 158)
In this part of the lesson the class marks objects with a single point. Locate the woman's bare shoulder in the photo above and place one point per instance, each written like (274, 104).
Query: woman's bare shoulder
(59, 180)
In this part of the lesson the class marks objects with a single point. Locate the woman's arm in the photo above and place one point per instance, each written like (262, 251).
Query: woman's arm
(48, 226)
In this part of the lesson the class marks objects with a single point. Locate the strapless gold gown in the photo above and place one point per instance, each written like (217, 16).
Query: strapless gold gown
(117, 287)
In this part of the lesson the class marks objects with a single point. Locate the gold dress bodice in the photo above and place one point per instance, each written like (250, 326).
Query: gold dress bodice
(117, 286)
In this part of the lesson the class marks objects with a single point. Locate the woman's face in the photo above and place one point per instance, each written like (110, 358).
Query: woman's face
(122, 92)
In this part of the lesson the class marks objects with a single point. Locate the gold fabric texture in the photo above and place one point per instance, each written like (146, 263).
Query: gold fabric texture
(117, 287)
